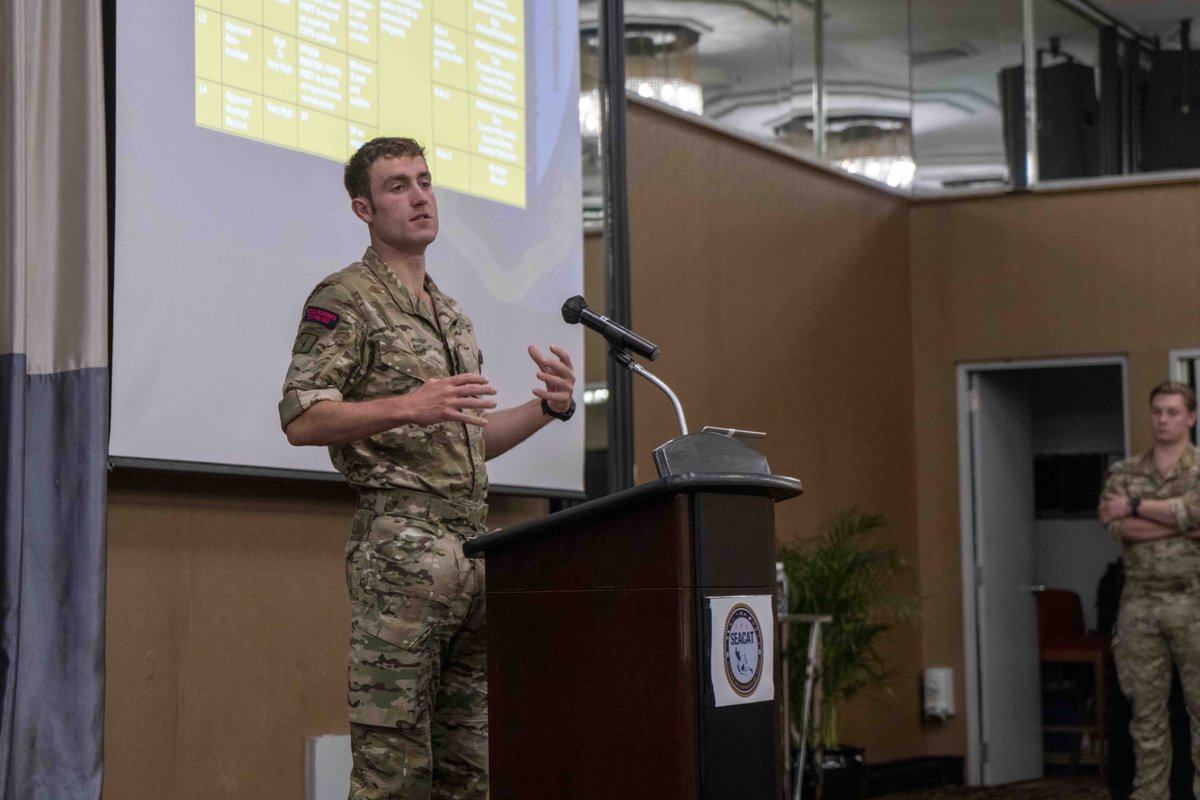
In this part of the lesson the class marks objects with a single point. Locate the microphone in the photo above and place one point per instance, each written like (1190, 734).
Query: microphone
(576, 310)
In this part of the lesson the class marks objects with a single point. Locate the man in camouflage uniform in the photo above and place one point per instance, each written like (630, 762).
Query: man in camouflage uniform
(385, 371)
(1151, 503)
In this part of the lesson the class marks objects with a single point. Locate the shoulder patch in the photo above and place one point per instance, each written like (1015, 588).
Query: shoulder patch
(321, 317)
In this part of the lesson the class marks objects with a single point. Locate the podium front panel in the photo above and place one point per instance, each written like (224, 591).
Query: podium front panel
(598, 655)
(598, 701)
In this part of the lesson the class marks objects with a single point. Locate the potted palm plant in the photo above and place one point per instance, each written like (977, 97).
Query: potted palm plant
(843, 574)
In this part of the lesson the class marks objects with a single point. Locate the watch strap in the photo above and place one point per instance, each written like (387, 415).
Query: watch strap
(563, 415)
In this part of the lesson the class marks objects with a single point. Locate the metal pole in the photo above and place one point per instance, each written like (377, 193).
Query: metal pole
(786, 734)
(810, 714)
(1110, 102)
(819, 121)
(616, 234)
(1031, 96)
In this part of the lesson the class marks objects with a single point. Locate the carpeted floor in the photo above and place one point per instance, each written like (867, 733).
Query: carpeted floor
(1076, 787)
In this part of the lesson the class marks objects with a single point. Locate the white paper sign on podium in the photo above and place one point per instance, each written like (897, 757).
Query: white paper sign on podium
(742, 658)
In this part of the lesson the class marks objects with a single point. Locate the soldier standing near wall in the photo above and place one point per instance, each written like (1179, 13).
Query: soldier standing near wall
(386, 372)
(1151, 502)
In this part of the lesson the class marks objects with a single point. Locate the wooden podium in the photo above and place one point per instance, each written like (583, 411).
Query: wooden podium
(599, 637)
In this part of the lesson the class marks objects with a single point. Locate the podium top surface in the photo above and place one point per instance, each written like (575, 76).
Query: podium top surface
(776, 487)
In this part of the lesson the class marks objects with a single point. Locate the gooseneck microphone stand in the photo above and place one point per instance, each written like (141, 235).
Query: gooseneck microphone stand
(705, 452)
(623, 358)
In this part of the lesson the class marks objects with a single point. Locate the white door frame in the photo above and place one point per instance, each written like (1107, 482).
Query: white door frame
(1175, 366)
(1175, 361)
(969, 533)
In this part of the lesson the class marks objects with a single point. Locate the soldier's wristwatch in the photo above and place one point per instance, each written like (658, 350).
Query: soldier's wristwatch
(1134, 502)
(563, 415)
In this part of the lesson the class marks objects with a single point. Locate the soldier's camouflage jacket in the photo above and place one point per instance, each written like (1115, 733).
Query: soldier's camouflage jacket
(1164, 559)
(362, 336)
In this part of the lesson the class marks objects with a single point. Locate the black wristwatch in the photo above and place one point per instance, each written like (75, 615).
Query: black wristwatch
(1134, 502)
(563, 415)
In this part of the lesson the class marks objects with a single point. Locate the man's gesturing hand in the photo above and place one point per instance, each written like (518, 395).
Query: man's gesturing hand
(557, 374)
(449, 400)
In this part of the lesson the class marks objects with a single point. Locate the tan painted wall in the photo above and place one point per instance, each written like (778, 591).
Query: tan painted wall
(779, 294)
(1100, 272)
(227, 627)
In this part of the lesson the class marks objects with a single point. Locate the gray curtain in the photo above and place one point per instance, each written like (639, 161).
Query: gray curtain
(53, 398)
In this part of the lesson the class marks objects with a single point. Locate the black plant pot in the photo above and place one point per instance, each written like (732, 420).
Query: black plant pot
(844, 774)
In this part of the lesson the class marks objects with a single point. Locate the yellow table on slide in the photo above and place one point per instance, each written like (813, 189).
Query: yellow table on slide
(324, 76)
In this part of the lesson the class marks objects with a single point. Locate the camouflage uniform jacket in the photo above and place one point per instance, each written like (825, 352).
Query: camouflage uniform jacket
(364, 336)
(1164, 559)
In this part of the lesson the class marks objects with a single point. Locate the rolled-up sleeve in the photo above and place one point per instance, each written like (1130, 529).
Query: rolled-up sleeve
(297, 401)
(1186, 509)
(1114, 484)
(327, 355)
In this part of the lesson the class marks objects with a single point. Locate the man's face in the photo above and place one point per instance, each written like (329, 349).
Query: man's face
(1170, 419)
(402, 210)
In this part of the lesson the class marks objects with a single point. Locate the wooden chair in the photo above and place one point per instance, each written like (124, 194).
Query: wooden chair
(1062, 639)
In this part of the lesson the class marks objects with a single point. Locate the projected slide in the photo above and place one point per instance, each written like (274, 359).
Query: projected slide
(222, 228)
(324, 76)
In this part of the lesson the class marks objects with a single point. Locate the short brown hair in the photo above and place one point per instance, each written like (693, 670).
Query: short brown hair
(357, 173)
(1175, 387)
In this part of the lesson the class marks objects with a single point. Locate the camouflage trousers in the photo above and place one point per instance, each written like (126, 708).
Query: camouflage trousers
(1158, 624)
(418, 661)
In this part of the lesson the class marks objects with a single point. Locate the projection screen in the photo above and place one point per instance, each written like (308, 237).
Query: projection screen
(233, 118)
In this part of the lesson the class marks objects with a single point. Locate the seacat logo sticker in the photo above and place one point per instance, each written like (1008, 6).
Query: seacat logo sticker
(743, 650)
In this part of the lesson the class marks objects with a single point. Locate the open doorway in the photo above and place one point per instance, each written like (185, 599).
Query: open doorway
(1034, 440)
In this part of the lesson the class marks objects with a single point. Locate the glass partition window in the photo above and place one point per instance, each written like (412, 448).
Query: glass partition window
(746, 65)
(956, 54)
(925, 95)
(865, 93)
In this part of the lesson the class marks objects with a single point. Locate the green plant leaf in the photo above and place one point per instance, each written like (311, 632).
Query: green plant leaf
(842, 574)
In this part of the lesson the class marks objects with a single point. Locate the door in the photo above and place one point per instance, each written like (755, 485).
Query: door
(1006, 619)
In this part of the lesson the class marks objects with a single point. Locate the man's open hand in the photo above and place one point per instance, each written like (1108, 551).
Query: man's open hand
(557, 374)
(449, 400)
